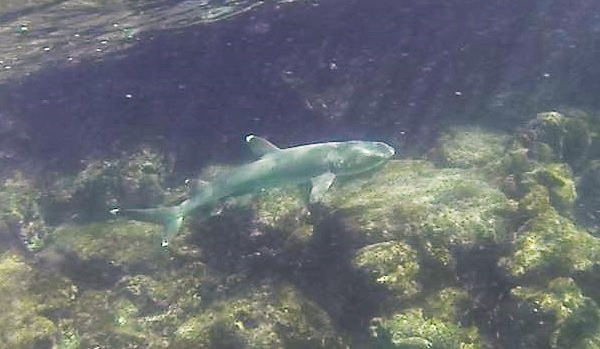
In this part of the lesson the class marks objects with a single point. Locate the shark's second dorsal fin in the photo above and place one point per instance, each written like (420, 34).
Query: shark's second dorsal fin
(260, 146)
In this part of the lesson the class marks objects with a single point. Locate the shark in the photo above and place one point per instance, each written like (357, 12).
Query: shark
(318, 164)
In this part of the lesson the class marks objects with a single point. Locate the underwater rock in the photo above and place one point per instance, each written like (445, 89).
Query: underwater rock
(263, 316)
(134, 180)
(558, 179)
(433, 209)
(402, 237)
(469, 147)
(85, 197)
(575, 318)
(392, 264)
(102, 319)
(550, 245)
(20, 214)
(416, 328)
(142, 176)
(284, 213)
(589, 189)
(552, 137)
(100, 252)
(547, 128)
(32, 304)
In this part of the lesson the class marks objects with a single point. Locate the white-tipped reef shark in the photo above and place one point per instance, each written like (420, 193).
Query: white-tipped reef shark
(318, 164)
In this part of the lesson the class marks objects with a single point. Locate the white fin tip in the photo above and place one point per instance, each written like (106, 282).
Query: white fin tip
(249, 137)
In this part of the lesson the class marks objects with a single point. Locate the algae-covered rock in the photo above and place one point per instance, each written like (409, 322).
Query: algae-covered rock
(168, 295)
(103, 320)
(142, 176)
(551, 245)
(130, 246)
(415, 330)
(20, 213)
(536, 201)
(392, 264)
(558, 179)
(31, 303)
(85, 197)
(284, 211)
(471, 147)
(589, 192)
(266, 316)
(552, 137)
(575, 318)
(134, 180)
(547, 129)
(436, 209)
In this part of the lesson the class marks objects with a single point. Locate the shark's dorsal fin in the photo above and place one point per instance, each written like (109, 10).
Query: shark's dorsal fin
(260, 146)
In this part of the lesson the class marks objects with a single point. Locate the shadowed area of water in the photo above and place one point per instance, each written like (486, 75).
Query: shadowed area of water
(296, 73)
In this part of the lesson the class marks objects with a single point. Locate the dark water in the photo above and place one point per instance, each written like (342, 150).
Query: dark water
(86, 84)
(295, 72)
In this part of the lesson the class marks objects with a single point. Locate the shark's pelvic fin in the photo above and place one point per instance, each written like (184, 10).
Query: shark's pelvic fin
(171, 218)
(260, 146)
(320, 184)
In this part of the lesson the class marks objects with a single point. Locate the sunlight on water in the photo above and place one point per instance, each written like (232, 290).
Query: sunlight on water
(50, 33)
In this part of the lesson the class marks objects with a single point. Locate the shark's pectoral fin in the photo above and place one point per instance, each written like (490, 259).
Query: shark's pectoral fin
(320, 184)
(260, 146)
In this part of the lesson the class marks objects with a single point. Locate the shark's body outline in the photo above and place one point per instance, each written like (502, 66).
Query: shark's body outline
(318, 163)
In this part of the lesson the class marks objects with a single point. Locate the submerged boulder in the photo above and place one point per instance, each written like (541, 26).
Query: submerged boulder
(32, 303)
(136, 180)
(468, 147)
(435, 325)
(574, 318)
(103, 251)
(433, 209)
(21, 217)
(432, 254)
(589, 189)
(392, 264)
(264, 316)
(551, 245)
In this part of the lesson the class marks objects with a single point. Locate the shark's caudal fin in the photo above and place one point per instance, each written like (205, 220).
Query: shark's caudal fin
(170, 218)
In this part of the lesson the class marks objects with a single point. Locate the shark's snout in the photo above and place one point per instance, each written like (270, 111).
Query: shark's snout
(385, 150)
(390, 150)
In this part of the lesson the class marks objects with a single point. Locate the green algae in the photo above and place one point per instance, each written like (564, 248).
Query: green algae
(392, 264)
(20, 212)
(103, 320)
(415, 330)
(553, 137)
(129, 245)
(136, 180)
(284, 211)
(558, 179)
(439, 323)
(437, 208)
(575, 318)
(263, 317)
(408, 228)
(31, 303)
(589, 192)
(552, 245)
(469, 147)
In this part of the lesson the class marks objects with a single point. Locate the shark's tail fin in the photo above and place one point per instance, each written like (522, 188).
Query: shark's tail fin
(170, 218)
